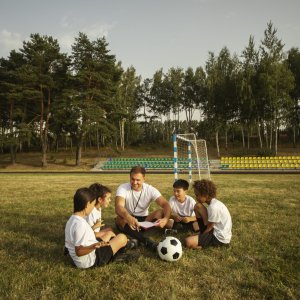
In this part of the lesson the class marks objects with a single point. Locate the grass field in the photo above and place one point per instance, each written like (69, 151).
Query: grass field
(262, 261)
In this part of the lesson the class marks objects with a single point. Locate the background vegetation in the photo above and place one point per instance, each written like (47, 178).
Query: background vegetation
(53, 101)
(262, 261)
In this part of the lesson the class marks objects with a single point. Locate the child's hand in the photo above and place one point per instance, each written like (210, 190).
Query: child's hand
(177, 218)
(101, 244)
(98, 224)
(185, 219)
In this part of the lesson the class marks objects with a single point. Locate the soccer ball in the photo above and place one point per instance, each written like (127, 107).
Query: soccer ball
(170, 249)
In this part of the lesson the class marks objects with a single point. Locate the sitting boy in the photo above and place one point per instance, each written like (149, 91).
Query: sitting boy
(214, 221)
(80, 239)
(182, 205)
(103, 199)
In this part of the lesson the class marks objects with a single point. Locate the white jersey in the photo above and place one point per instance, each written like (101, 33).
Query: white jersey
(93, 218)
(79, 233)
(137, 203)
(184, 209)
(220, 216)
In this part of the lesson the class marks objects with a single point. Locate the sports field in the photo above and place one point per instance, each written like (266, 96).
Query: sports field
(263, 260)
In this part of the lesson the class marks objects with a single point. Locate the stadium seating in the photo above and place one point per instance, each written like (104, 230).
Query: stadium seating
(255, 162)
(154, 163)
(226, 163)
(149, 163)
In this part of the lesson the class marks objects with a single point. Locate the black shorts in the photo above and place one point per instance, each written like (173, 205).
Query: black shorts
(208, 239)
(140, 218)
(103, 256)
(184, 226)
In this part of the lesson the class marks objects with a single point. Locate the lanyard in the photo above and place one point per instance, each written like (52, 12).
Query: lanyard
(138, 198)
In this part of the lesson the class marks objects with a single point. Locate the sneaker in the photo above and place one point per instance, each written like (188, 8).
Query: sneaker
(151, 245)
(125, 257)
(66, 251)
(131, 244)
(170, 231)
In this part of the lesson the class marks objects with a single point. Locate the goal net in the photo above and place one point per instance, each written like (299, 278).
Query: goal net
(190, 157)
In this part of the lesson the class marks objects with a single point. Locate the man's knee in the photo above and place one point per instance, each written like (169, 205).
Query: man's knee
(120, 223)
(157, 214)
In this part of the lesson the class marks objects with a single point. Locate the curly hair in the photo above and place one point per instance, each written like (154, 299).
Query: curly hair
(205, 187)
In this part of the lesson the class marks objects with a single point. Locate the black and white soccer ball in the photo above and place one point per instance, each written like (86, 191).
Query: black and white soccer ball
(170, 249)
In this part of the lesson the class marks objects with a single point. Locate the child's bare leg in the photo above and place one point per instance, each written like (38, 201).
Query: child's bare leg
(170, 224)
(157, 214)
(196, 226)
(201, 212)
(105, 236)
(118, 242)
(192, 242)
(106, 229)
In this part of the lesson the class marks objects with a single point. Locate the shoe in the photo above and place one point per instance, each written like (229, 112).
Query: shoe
(151, 245)
(170, 231)
(66, 251)
(131, 244)
(125, 257)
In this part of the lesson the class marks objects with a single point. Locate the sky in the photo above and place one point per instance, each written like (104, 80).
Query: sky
(151, 34)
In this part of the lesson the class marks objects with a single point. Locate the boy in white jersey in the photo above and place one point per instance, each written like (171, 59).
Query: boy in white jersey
(80, 239)
(103, 199)
(182, 205)
(214, 221)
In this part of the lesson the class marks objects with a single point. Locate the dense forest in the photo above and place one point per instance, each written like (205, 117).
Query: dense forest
(51, 100)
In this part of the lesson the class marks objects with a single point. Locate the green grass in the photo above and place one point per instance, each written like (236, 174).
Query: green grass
(262, 261)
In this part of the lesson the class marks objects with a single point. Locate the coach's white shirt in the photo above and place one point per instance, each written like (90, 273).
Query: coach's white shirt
(184, 209)
(137, 203)
(79, 233)
(219, 214)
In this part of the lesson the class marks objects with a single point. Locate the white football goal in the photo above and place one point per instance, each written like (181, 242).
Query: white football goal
(190, 157)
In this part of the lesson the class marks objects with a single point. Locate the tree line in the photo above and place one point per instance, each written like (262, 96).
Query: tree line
(52, 100)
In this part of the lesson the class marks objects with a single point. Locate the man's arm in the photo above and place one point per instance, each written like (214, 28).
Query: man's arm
(164, 204)
(122, 212)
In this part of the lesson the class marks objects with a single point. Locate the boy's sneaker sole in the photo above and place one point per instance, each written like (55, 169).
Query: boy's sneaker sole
(170, 231)
(126, 257)
(131, 244)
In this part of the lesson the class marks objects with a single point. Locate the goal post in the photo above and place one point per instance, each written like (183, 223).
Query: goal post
(190, 157)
